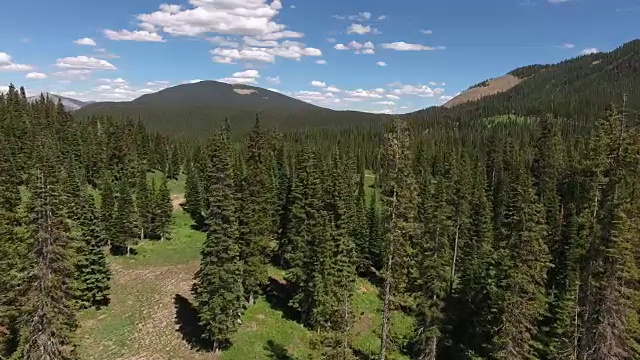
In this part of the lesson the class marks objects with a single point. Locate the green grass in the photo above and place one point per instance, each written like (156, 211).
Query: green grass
(140, 321)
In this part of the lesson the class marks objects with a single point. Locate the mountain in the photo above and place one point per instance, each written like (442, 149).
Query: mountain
(198, 108)
(69, 103)
(581, 89)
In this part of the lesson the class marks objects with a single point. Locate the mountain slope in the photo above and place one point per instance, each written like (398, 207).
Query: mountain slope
(197, 109)
(581, 88)
(69, 103)
(486, 88)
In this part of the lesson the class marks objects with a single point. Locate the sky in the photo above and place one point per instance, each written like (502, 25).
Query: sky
(376, 56)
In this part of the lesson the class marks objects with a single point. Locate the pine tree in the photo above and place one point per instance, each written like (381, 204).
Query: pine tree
(48, 314)
(374, 249)
(193, 195)
(521, 271)
(218, 289)
(144, 203)
(124, 221)
(108, 209)
(256, 214)
(92, 271)
(360, 231)
(13, 255)
(399, 201)
(163, 210)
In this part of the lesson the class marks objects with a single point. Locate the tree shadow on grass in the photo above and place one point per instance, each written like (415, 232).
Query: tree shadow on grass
(278, 294)
(188, 326)
(277, 351)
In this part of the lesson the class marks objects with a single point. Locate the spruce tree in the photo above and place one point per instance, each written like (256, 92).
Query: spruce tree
(218, 289)
(521, 270)
(124, 221)
(108, 209)
(359, 230)
(399, 204)
(47, 316)
(163, 210)
(374, 227)
(193, 194)
(256, 214)
(93, 274)
(144, 202)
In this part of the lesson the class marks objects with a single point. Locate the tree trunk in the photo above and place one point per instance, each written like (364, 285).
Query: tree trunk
(455, 257)
(251, 300)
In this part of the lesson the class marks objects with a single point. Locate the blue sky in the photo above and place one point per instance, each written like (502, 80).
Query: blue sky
(378, 56)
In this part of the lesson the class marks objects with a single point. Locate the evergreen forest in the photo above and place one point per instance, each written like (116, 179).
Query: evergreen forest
(508, 235)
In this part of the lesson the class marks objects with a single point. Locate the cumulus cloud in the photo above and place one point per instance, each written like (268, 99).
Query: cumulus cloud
(381, 63)
(230, 17)
(86, 42)
(362, 16)
(118, 81)
(68, 75)
(557, 1)
(382, 17)
(84, 63)
(332, 89)
(228, 56)
(365, 94)
(243, 77)
(359, 48)
(273, 79)
(589, 51)
(223, 41)
(319, 84)
(286, 49)
(36, 76)
(340, 47)
(138, 35)
(7, 64)
(403, 46)
(321, 62)
(358, 29)
(419, 90)
(392, 97)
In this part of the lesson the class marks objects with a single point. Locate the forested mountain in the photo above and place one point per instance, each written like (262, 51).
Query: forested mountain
(199, 108)
(580, 88)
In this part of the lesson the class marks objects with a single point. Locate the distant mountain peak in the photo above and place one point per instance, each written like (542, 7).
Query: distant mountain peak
(69, 104)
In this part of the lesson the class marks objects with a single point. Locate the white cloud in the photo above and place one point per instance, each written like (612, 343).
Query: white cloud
(68, 75)
(319, 84)
(358, 29)
(259, 43)
(171, 9)
(557, 1)
(367, 94)
(103, 53)
(340, 47)
(366, 48)
(368, 52)
(231, 17)
(86, 42)
(331, 40)
(567, 46)
(419, 90)
(227, 56)
(36, 76)
(446, 97)
(4, 89)
(589, 51)
(321, 62)
(381, 63)
(403, 46)
(392, 97)
(222, 41)
(382, 17)
(244, 77)
(426, 32)
(138, 35)
(273, 80)
(362, 16)
(7, 64)
(84, 63)
(332, 89)
(314, 96)
(292, 6)
(118, 81)
(388, 103)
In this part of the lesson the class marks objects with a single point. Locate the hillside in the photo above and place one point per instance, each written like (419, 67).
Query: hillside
(580, 88)
(68, 103)
(196, 109)
(486, 88)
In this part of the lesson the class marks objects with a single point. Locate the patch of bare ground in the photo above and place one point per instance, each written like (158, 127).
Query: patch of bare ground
(148, 300)
(176, 201)
(494, 86)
